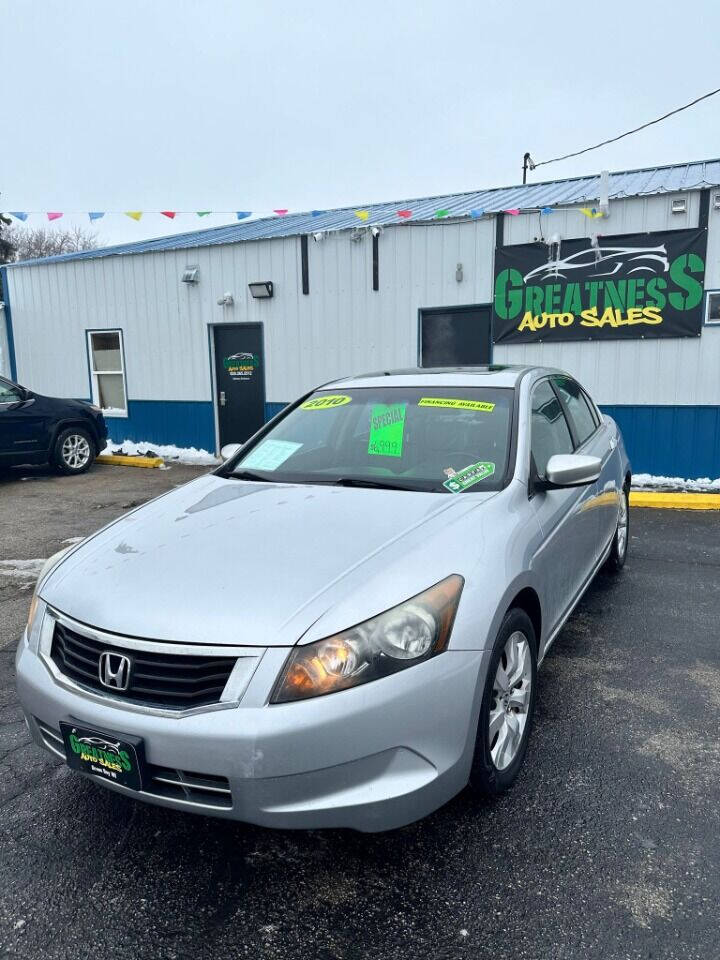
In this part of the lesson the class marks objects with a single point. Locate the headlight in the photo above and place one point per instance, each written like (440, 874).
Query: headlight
(402, 636)
(37, 606)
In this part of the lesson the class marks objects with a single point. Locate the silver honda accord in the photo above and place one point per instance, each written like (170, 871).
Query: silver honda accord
(342, 625)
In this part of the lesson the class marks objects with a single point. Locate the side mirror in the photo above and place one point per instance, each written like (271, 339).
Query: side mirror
(229, 450)
(571, 470)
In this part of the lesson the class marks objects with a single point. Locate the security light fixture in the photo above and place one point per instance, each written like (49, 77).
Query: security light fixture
(320, 235)
(261, 289)
(191, 275)
(356, 236)
(376, 231)
(226, 300)
(679, 205)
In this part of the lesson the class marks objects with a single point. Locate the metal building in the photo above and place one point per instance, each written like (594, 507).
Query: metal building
(196, 339)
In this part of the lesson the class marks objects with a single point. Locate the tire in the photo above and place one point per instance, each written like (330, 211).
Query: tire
(495, 767)
(74, 451)
(621, 541)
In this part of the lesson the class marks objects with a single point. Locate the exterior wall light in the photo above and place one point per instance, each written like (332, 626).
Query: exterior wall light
(261, 289)
(226, 300)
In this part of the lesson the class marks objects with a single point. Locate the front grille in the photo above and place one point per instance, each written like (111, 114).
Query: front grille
(205, 789)
(168, 680)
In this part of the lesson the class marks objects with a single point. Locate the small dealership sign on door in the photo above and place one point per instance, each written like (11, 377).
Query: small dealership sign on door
(632, 286)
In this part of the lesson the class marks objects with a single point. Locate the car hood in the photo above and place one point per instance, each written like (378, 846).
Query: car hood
(237, 562)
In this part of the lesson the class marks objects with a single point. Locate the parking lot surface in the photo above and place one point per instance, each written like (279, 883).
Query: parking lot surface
(607, 847)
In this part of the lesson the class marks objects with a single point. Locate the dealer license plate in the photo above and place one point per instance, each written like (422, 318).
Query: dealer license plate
(116, 758)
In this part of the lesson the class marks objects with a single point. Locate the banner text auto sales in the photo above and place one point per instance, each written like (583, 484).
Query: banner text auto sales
(631, 286)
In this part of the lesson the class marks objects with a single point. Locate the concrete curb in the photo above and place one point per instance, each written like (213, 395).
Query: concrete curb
(675, 501)
(119, 460)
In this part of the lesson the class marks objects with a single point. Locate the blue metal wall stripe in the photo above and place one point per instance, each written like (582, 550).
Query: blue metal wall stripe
(185, 423)
(671, 441)
(8, 322)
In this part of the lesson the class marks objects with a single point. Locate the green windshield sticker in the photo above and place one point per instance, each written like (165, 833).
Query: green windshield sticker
(468, 476)
(387, 425)
(454, 404)
(325, 402)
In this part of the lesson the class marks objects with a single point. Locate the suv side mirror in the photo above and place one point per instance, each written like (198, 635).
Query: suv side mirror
(570, 470)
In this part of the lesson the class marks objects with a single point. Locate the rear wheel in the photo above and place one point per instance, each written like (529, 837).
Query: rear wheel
(508, 706)
(619, 549)
(74, 451)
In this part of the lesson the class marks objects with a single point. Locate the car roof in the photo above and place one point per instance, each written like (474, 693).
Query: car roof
(491, 375)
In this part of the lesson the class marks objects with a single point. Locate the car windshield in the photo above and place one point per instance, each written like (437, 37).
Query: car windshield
(427, 438)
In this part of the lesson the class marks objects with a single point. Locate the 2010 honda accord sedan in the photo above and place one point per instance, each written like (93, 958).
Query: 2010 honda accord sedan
(341, 626)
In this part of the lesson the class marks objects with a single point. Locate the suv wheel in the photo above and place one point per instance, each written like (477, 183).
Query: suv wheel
(74, 451)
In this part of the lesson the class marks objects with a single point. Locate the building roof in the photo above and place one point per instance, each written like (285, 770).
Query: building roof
(626, 183)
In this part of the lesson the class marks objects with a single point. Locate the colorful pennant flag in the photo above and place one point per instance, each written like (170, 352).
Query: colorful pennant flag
(476, 214)
(170, 214)
(54, 216)
(19, 215)
(547, 210)
(317, 213)
(133, 214)
(405, 214)
(591, 212)
(242, 214)
(280, 213)
(204, 213)
(514, 212)
(362, 214)
(95, 215)
(441, 213)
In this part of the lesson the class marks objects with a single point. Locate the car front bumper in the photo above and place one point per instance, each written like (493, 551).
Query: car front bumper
(371, 758)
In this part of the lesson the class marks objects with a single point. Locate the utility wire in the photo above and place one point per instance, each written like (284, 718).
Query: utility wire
(577, 153)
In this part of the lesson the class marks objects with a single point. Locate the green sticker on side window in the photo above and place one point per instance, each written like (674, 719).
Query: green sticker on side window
(468, 476)
(387, 426)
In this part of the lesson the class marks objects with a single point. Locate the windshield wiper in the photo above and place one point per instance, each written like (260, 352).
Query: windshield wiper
(249, 475)
(370, 482)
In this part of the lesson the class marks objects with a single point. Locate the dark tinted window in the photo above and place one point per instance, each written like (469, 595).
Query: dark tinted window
(455, 337)
(549, 430)
(8, 392)
(578, 408)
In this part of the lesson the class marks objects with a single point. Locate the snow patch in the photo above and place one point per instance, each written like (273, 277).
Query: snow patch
(189, 455)
(648, 481)
(26, 570)
(73, 540)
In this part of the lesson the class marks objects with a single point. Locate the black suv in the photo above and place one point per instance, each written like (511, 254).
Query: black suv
(69, 434)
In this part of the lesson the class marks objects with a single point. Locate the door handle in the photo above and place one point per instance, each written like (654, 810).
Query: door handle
(222, 398)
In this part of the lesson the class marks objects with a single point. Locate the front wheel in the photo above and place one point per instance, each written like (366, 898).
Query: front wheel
(74, 451)
(508, 706)
(618, 551)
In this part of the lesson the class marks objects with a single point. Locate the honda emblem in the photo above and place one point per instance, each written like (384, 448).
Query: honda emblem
(114, 670)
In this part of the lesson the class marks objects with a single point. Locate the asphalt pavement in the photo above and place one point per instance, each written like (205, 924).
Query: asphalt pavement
(607, 847)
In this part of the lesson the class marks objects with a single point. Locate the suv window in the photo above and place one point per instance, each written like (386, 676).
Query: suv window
(9, 393)
(549, 432)
(581, 416)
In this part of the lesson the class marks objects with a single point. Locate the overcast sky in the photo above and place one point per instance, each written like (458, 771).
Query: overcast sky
(225, 106)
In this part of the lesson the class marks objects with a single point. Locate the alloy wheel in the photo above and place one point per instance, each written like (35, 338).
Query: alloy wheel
(510, 700)
(75, 451)
(622, 528)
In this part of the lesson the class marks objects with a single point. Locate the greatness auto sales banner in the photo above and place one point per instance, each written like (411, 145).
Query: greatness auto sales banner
(632, 286)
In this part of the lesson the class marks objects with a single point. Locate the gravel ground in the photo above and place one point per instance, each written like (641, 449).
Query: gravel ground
(608, 847)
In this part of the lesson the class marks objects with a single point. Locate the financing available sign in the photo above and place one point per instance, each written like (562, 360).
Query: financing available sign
(625, 287)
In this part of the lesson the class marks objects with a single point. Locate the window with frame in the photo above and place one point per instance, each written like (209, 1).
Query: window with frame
(107, 372)
(549, 431)
(712, 307)
(578, 408)
(9, 393)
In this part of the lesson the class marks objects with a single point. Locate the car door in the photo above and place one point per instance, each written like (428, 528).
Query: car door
(22, 425)
(567, 552)
(594, 438)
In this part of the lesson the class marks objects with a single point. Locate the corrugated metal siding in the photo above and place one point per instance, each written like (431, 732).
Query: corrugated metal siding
(656, 372)
(342, 327)
(577, 190)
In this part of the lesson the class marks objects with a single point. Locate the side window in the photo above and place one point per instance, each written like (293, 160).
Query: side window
(108, 372)
(549, 432)
(9, 393)
(578, 408)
